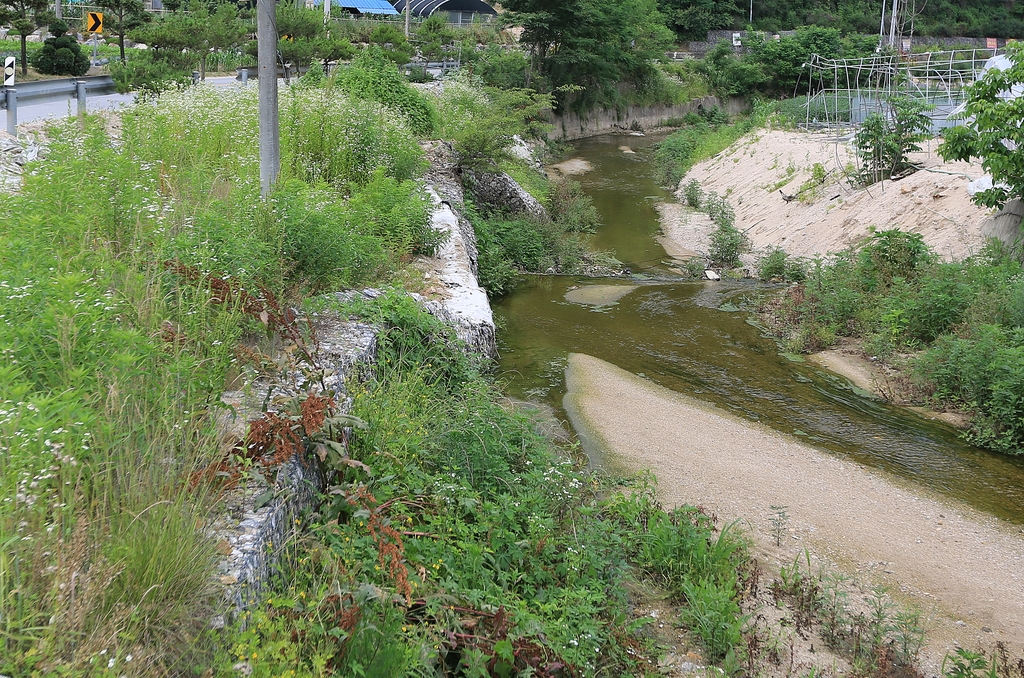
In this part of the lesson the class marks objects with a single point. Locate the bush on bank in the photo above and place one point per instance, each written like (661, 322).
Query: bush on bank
(959, 320)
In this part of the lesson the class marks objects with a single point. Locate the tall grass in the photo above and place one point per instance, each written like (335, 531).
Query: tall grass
(103, 420)
(113, 365)
(703, 137)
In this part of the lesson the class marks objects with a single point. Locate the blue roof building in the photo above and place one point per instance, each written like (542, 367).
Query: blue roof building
(362, 6)
(459, 11)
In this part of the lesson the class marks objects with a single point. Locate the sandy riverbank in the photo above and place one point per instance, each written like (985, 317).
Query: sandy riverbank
(964, 569)
(759, 169)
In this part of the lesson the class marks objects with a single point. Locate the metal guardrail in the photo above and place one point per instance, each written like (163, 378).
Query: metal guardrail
(48, 91)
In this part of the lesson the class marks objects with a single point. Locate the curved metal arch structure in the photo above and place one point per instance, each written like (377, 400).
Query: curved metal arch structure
(425, 8)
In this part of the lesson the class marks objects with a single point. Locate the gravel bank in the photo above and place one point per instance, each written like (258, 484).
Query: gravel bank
(963, 568)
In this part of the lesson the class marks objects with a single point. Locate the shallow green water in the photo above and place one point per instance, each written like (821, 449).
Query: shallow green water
(673, 333)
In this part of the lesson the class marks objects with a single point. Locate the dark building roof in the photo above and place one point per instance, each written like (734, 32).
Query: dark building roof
(428, 7)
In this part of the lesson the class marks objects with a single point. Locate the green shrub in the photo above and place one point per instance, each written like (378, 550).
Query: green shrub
(717, 207)
(503, 68)
(965, 317)
(714, 615)
(61, 54)
(147, 76)
(325, 242)
(489, 528)
(572, 208)
(776, 264)
(983, 371)
(883, 142)
(373, 77)
(396, 212)
(892, 254)
(482, 121)
(726, 244)
(693, 193)
(508, 246)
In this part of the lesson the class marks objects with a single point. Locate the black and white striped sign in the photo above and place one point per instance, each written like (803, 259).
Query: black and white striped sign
(8, 71)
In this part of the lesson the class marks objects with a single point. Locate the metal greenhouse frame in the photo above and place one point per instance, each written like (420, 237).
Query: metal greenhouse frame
(844, 92)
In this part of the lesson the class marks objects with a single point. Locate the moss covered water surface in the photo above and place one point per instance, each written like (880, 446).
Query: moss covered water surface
(694, 338)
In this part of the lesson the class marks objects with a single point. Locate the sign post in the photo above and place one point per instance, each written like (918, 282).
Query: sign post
(94, 22)
(94, 25)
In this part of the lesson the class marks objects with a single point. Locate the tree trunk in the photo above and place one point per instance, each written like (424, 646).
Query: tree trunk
(120, 42)
(24, 54)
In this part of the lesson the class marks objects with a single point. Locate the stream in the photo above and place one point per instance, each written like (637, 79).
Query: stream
(694, 338)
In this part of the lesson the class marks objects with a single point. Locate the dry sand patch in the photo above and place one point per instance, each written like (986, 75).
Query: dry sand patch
(759, 169)
(965, 568)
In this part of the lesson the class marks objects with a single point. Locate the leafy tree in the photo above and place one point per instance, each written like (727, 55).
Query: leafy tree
(330, 48)
(884, 141)
(61, 54)
(374, 77)
(222, 30)
(502, 68)
(433, 34)
(485, 141)
(24, 17)
(591, 44)
(393, 42)
(783, 60)
(148, 74)
(121, 16)
(692, 19)
(303, 27)
(994, 133)
(175, 38)
(728, 75)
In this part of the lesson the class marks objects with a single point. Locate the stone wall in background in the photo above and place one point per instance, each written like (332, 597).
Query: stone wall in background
(570, 125)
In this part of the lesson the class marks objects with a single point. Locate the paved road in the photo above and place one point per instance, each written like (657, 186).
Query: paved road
(33, 112)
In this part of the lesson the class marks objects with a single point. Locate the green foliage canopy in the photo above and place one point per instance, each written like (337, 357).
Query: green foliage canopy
(944, 18)
(591, 44)
(884, 141)
(995, 135)
(61, 54)
(692, 19)
(24, 17)
(121, 16)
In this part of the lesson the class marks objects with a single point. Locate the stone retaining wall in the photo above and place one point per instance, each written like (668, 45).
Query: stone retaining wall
(570, 126)
(252, 539)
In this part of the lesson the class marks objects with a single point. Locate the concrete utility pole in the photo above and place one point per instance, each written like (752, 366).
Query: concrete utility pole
(56, 9)
(266, 47)
(407, 3)
(881, 28)
(892, 23)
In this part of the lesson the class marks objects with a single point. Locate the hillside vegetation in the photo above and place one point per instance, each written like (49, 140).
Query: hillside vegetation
(945, 18)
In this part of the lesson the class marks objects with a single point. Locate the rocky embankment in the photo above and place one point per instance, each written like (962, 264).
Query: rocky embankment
(257, 520)
(15, 152)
